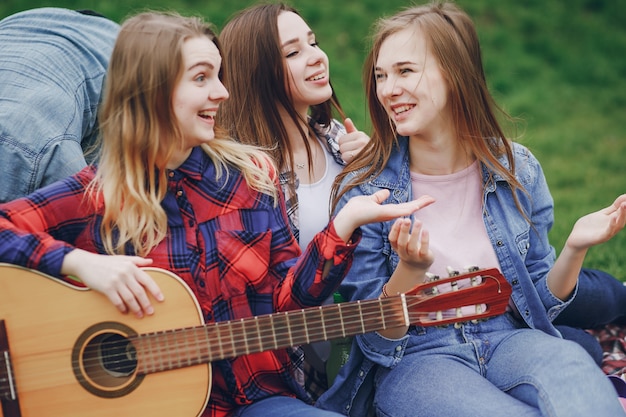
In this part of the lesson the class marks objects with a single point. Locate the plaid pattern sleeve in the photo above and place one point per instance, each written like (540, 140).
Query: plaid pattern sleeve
(37, 231)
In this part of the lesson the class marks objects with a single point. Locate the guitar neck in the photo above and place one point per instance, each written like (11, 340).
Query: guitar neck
(171, 349)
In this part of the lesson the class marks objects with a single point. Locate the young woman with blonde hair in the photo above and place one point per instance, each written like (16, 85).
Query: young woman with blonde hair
(173, 191)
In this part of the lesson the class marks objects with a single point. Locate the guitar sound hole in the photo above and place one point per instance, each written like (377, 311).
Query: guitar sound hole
(104, 360)
(118, 355)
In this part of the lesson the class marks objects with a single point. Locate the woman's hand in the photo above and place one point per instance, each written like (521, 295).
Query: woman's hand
(120, 278)
(352, 142)
(598, 227)
(589, 230)
(366, 209)
(411, 245)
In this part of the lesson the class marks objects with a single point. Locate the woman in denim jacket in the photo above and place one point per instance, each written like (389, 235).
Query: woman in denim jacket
(435, 132)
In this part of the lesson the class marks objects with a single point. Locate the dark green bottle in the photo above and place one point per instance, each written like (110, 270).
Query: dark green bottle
(339, 350)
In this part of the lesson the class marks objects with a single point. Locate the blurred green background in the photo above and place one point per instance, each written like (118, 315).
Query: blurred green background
(559, 66)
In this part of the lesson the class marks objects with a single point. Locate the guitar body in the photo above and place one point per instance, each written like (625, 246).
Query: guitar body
(46, 320)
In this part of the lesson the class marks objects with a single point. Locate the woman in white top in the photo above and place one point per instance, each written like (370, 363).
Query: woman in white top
(282, 99)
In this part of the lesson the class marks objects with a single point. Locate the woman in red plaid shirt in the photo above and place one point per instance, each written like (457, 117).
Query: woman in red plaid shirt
(172, 191)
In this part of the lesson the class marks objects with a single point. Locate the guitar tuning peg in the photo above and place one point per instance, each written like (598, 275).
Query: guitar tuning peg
(454, 285)
(431, 277)
(439, 315)
(452, 272)
(475, 280)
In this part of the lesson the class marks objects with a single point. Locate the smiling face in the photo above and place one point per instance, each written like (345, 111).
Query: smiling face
(307, 65)
(410, 85)
(199, 91)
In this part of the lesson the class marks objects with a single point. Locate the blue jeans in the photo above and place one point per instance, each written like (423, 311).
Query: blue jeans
(52, 65)
(601, 299)
(280, 406)
(494, 368)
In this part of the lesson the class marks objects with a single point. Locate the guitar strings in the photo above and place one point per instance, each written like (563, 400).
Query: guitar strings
(171, 349)
(246, 336)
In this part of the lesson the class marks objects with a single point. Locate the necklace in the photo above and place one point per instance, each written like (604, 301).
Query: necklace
(300, 166)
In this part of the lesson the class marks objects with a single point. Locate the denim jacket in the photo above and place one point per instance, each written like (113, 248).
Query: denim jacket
(523, 251)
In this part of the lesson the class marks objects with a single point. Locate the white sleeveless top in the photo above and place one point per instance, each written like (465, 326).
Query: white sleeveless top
(314, 201)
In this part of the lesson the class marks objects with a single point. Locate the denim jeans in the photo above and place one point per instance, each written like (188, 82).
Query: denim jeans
(52, 65)
(280, 406)
(601, 299)
(494, 368)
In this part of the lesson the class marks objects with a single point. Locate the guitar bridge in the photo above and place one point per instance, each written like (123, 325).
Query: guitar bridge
(8, 391)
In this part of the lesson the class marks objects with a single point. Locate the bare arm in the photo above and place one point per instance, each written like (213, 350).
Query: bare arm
(589, 230)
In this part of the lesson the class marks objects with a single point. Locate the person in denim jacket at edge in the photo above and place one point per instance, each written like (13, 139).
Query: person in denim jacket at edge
(435, 132)
(52, 66)
(282, 99)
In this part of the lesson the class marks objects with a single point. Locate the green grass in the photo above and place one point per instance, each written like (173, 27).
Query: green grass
(559, 66)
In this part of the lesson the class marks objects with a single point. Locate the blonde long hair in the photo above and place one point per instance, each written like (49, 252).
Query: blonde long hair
(454, 42)
(139, 132)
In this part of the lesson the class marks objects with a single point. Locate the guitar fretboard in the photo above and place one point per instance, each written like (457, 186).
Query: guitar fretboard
(171, 349)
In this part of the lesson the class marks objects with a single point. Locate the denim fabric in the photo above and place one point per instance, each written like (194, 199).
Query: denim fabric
(601, 300)
(485, 369)
(281, 406)
(52, 65)
(524, 254)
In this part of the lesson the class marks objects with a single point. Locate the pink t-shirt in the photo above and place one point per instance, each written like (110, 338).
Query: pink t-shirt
(458, 237)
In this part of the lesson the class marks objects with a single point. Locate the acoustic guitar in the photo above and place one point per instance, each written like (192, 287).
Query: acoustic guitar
(66, 351)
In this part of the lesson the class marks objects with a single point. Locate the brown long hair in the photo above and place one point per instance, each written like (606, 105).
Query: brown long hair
(255, 76)
(140, 132)
(453, 40)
